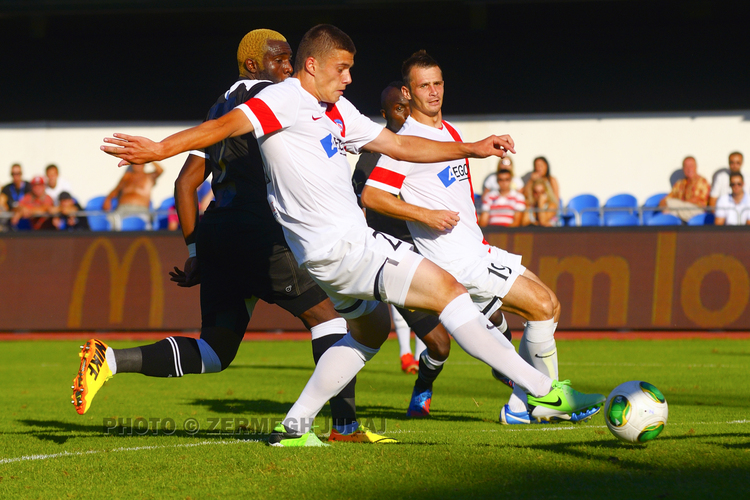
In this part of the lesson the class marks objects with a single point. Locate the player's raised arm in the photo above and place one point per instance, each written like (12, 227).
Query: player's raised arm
(136, 150)
(420, 150)
(384, 202)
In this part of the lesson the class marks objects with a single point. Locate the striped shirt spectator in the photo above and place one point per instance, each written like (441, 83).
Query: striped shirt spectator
(504, 208)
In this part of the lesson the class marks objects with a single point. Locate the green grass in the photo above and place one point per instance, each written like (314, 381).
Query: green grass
(461, 451)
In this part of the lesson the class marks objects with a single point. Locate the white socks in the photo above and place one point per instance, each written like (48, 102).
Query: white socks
(474, 333)
(538, 348)
(330, 327)
(335, 369)
(403, 332)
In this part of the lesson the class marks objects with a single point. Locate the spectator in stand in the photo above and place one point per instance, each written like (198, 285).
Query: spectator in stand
(504, 207)
(541, 171)
(721, 187)
(733, 209)
(68, 218)
(689, 196)
(133, 193)
(490, 182)
(55, 183)
(36, 206)
(543, 206)
(13, 193)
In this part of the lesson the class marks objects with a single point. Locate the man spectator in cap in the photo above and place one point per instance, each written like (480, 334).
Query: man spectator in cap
(504, 207)
(733, 209)
(721, 187)
(689, 196)
(36, 206)
(68, 218)
(56, 184)
(13, 193)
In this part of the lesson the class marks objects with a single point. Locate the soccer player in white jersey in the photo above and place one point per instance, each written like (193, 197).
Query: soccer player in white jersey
(438, 205)
(304, 127)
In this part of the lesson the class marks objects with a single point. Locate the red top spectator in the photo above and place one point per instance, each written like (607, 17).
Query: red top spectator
(36, 206)
(504, 208)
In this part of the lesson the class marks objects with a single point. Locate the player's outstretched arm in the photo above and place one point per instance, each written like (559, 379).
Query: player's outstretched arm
(420, 150)
(387, 204)
(140, 150)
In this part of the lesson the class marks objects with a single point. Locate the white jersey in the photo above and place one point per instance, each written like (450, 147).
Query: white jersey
(303, 143)
(437, 186)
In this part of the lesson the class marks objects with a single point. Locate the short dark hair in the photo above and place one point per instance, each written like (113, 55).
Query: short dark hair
(419, 59)
(50, 166)
(736, 174)
(504, 171)
(736, 153)
(395, 84)
(319, 41)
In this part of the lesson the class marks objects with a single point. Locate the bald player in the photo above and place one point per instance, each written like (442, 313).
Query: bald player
(239, 256)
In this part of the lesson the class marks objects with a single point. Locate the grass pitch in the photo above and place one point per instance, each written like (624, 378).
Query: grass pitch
(204, 436)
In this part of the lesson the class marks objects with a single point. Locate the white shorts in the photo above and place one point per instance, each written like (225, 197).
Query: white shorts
(490, 278)
(365, 267)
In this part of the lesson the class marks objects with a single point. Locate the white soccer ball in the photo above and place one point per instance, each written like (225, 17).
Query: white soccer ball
(636, 412)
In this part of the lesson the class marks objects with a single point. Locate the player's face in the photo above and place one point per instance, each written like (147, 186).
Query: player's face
(426, 89)
(735, 163)
(332, 75)
(396, 109)
(276, 61)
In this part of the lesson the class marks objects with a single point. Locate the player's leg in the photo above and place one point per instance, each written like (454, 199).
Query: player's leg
(437, 342)
(403, 333)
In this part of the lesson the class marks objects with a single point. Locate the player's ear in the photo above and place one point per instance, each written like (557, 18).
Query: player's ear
(311, 65)
(251, 66)
(406, 93)
(382, 112)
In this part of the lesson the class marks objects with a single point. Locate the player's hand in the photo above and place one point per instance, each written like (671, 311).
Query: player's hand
(132, 149)
(191, 276)
(494, 146)
(442, 220)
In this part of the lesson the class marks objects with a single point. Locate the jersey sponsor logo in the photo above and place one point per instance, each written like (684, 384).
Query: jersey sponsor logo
(332, 145)
(453, 173)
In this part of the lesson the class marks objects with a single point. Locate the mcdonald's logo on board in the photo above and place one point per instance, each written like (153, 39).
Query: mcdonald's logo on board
(119, 273)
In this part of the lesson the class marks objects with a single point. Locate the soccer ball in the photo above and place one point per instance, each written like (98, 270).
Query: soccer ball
(636, 412)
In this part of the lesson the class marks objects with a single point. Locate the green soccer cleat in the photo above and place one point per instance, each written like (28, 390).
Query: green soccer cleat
(282, 436)
(564, 399)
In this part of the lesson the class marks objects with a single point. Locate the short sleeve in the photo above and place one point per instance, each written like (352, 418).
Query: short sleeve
(274, 108)
(388, 175)
(360, 130)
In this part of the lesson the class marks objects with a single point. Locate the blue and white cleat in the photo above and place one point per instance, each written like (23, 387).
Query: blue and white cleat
(508, 417)
(419, 406)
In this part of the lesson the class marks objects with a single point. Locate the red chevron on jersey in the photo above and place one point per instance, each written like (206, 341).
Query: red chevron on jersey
(332, 112)
(265, 116)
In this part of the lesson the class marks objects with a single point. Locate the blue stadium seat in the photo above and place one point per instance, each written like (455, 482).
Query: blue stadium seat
(621, 219)
(617, 203)
(706, 219)
(664, 220)
(95, 203)
(162, 213)
(203, 189)
(651, 202)
(578, 204)
(133, 224)
(98, 223)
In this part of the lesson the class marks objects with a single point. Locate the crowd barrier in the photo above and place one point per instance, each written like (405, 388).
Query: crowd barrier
(618, 278)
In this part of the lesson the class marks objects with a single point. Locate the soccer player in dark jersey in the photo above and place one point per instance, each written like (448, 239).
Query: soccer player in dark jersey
(238, 254)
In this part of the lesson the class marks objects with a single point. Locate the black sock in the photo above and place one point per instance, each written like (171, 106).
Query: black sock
(427, 375)
(128, 360)
(343, 407)
(171, 357)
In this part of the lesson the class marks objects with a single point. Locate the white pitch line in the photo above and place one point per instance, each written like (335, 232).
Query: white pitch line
(540, 428)
(135, 448)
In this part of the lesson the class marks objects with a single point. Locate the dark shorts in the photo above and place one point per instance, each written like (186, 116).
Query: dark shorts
(239, 261)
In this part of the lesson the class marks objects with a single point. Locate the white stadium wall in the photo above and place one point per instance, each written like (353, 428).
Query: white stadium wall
(601, 154)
